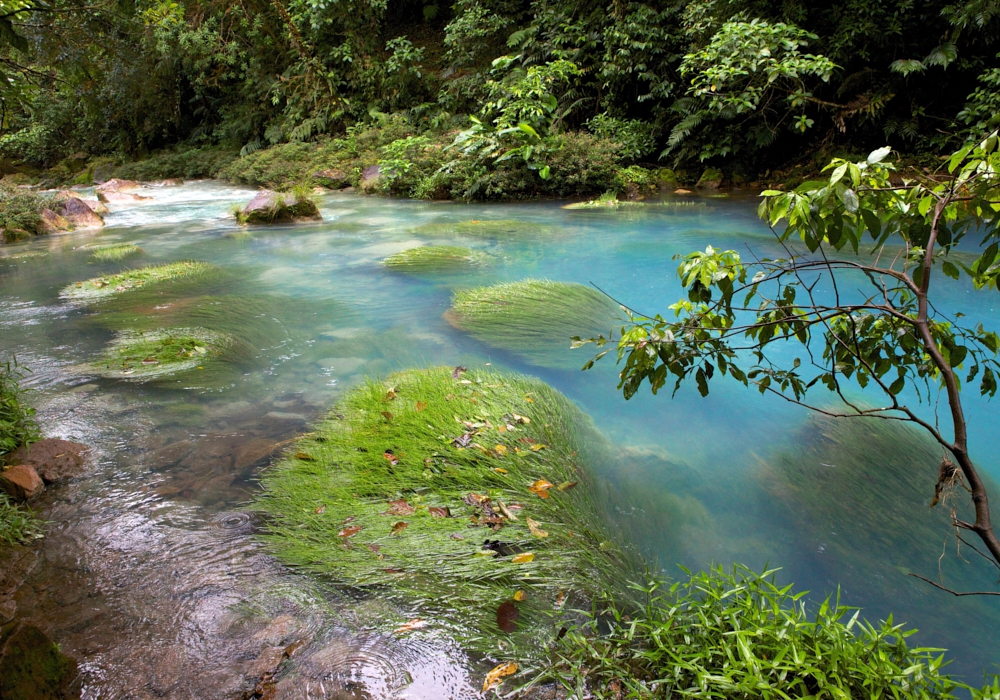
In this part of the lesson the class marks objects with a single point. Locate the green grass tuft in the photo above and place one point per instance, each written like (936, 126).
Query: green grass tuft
(148, 355)
(113, 252)
(434, 258)
(98, 288)
(393, 451)
(533, 318)
(18, 524)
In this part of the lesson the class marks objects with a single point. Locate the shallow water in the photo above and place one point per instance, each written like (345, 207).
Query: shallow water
(151, 575)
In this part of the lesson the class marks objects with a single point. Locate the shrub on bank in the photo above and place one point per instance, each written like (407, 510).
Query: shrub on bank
(740, 635)
(17, 427)
(186, 164)
(20, 213)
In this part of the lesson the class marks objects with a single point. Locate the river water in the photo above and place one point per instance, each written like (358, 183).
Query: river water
(150, 574)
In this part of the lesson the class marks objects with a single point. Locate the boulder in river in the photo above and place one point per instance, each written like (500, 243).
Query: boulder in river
(53, 459)
(710, 179)
(370, 177)
(116, 196)
(332, 178)
(33, 668)
(21, 482)
(269, 207)
(167, 182)
(53, 223)
(77, 211)
(117, 185)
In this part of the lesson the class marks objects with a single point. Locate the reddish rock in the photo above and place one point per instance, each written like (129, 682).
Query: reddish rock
(21, 482)
(115, 196)
(52, 222)
(169, 182)
(332, 177)
(96, 206)
(78, 213)
(52, 458)
(117, 185)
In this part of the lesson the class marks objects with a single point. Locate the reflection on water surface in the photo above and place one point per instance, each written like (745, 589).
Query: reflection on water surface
(151, 575)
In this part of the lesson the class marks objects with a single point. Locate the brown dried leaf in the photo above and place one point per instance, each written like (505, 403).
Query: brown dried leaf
(541, 488)
(535, 530)
(305, 457)
(320, 510)
(520, 419)
(391, 457)
(507, 615)
(350, 531)
(439, 512)
(400, 507)
(496, 676)
(387, 415)
(457, 371)
(456, 536)
(399, 527)
(390, 395)
(421, 405)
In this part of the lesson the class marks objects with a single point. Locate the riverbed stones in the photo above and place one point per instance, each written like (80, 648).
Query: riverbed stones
(52, 458)
(21, 482)
(33, 668)
(115, 197)
(118, 185)
(332, 178)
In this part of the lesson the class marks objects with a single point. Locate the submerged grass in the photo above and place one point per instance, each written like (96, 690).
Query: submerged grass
(485, 228)
(533, 318)
(113, 252)
(610, 201)
(434, 258)
(98, 288)
(149, 355)
(462, 496)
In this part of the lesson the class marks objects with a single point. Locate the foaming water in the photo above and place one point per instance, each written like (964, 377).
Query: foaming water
(151, 573)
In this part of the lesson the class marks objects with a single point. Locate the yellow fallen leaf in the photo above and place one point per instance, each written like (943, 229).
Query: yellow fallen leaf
(500, 470)
(529, 399)
(520, 596)
(414, 624)
(541, 488)
(535, 530)
(523, 558)
(496, 676)
(500, 450)
(521, 419)
(501, 428)
(537, 446)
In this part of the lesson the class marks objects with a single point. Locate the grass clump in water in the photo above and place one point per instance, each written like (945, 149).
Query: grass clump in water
(148, 355)
(739, 635)
(461, 496)
(434, 258)
(105, 286)
(533, 318)
(113, 252)
(485, 228)
(610, 201)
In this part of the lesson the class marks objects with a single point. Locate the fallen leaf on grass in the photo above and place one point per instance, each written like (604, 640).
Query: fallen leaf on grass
(501, 450)
(528, 399)
(439, 512)
(457, 371)
(387, 415)
(400, 507)
(520, 596)
(523, 558)
(350, 531)
(507, 615)
(520, 419)
(560, 599)
(505, 511)
(373, 547)
(150, 361)
(414, 624)
(500, 470)
(541, 488)
(457, 537)
(421, 405)
(320, 510)
(535, 530)
(390, 395)
(567, 485)
(305, 457)
(537, 446)
(393, 459)
(496, 676)
(399, 527)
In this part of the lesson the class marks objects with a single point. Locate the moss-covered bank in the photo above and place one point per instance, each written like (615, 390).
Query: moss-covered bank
(533, 318)
(463, 496)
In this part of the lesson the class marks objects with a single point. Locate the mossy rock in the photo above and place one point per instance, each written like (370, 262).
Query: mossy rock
(113, 252)
(434, 258)
(710, 179)
(142, 356)
(33, 668)
(269, 207)
(485, 228)
(98, 288)
(533, 318)
(449, 492)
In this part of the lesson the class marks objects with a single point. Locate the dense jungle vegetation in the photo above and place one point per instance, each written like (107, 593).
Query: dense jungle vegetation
(487, 99)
